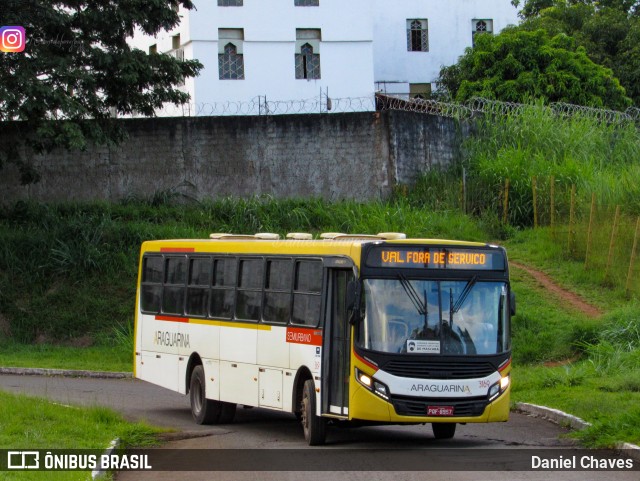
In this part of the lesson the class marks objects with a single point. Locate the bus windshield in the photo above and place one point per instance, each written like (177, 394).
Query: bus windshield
(418, 316)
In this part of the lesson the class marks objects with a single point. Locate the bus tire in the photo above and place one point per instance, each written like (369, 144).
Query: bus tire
(314, 427)
(443, 430)
(227, 412)
(203, 410)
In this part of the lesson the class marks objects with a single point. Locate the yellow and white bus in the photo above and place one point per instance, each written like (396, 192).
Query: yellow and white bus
(345, 329)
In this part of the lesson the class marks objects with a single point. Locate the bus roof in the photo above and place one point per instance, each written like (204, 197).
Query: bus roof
(329, 244)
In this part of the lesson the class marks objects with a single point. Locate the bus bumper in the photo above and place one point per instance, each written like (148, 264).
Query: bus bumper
(367, 406)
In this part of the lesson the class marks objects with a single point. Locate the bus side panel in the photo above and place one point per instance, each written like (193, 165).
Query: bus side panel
(239, 383)
(310, 356)
(238, 344)
(287, 390)
(212, 378)
(160, 369)
(271, 388)
(270, 347)
(203, 339)
(305, 355)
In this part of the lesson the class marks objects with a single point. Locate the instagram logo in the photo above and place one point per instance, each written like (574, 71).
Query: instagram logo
(12, 39)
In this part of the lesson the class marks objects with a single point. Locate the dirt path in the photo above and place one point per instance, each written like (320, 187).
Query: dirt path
(571, 298)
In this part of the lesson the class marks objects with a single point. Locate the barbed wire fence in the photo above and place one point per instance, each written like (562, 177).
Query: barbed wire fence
(324, 104)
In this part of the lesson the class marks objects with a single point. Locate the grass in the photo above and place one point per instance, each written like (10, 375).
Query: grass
(610, 403)
(93, 358)
(34, 423)
(599, 379)
(544, 328)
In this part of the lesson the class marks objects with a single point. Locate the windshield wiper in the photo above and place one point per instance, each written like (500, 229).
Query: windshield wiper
(463, 295)
(412, 294)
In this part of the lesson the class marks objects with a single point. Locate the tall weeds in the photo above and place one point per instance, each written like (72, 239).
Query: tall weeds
(69, 270)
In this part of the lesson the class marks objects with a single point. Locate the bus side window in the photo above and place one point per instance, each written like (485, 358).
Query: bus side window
(198, 286)
(277, 294)
(151, 288)
(225, 272)
(175, 279)
(249, 293)
(306, 293)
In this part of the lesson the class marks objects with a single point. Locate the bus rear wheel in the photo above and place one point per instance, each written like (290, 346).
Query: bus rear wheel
(314, 426)
(203, 410)
(443, 430)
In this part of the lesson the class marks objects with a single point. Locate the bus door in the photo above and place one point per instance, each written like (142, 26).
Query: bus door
(336, 345)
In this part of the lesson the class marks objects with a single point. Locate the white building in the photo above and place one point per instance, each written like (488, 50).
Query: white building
(413, 39)
(281, 50)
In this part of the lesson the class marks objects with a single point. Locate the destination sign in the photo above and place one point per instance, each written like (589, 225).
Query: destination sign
(435, 258)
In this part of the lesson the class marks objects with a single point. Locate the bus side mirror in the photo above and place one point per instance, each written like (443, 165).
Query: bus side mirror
(512, 303)
(353, 298)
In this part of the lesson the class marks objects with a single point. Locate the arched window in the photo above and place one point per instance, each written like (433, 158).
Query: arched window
(307, 57)
(481, 26)
(417, 35)
(231, 63)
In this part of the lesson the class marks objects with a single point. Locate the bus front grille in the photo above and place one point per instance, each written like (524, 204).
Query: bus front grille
(410, 406)
(418, 369)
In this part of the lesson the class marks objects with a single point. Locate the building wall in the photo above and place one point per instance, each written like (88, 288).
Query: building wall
(363, 48)
(334, 156)
(269, 46)
(449, 33)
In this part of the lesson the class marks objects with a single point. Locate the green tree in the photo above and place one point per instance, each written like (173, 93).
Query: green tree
(78, 70)
(532, 8)
(607, 29)
(516, 65)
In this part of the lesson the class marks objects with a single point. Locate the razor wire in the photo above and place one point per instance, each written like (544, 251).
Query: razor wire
(634, 113)
(480, 105)
(425, 106)
(260, 105)
(602, 115)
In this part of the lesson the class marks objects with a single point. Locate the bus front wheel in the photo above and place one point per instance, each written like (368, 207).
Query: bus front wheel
(204, 411)
(443, 430)
(314, 426)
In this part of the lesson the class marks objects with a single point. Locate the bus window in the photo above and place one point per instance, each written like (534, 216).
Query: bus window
(422, 316)
(306, 296)
(198, 289)
(151, 289)
(277, 295)
(175, 280)
(249, 294)
(223, 289)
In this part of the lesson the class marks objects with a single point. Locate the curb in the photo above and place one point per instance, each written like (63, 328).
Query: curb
(554, 415)
(29, 371)
(97, 473)
(559, 417)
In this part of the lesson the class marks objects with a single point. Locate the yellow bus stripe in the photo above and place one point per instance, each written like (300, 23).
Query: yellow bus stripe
(240, 325)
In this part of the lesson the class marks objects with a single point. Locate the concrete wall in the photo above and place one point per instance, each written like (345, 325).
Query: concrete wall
(334, 156)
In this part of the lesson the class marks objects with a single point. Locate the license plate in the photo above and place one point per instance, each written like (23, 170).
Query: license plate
(440, 411)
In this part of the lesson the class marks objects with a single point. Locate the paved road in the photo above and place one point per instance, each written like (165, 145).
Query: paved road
(259, 429)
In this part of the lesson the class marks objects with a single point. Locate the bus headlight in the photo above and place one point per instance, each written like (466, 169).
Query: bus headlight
(499, 387)
(363, 378)
(381, 390)
(372, 385)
